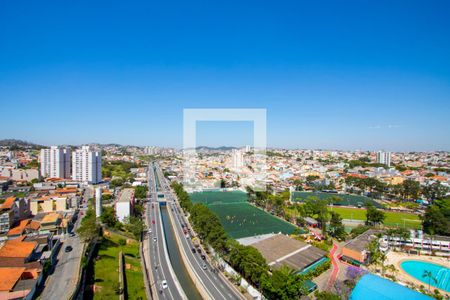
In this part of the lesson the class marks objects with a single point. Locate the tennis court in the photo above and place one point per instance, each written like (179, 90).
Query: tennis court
(238, 217)
(345, 199)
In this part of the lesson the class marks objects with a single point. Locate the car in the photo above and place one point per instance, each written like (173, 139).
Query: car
(204, 267)
(155, 239)
(153, 221)
(193, 250)
(203, 257)
(72, 234)
(149, 231)
(68, 249)
(164, 284)
(199, 250)
(187, 236)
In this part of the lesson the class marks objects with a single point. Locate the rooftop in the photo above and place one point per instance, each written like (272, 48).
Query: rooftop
(126, 195)
(9, 277)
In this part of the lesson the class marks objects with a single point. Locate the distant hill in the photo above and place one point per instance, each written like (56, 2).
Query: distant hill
(222, 148)
(19, 144)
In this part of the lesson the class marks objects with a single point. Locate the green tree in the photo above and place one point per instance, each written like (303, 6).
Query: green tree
(140, 192)
(435, 221)
(410, 189)
(108, 216)
(336, 228)
(429, 275)
(435, 191)
(89, 229)
(373, 215)
(284, 284)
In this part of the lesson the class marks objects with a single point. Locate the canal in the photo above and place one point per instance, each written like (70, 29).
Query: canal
(175, 257)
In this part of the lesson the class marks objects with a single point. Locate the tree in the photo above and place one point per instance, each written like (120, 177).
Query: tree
(135, 226)
(336, 228)
(108, 216)
(89, 229)
(435, 191)
(435, 222)
(326, 296)
(140, 192)
(373, 215)
(428, 274)
(410, 189)
(284, 284)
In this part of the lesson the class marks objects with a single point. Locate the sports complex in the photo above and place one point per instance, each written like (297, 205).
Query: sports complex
(238, 217)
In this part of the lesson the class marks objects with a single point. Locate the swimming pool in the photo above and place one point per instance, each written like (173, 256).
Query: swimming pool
(372, 287)
(417, 268)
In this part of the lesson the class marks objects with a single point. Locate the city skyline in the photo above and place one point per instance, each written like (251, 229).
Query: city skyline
(372, 77)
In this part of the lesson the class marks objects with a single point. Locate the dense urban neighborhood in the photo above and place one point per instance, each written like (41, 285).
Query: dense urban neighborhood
(106, 220)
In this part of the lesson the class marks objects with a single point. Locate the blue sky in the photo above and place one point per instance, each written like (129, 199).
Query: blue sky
(364, 75)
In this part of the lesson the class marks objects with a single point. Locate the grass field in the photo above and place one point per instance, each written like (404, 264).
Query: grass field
(346, 200)
(393, 219)
(106, 269)
(239, 218)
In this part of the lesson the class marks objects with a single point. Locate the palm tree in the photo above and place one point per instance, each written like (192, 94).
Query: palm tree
(429, 275)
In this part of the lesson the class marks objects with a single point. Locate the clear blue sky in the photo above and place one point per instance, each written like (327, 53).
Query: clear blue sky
(337, 75)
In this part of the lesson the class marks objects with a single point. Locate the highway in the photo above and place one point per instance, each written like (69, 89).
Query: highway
(160, 263)
(215, 285)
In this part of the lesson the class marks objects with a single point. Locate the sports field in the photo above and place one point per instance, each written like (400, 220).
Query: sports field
(239, 218)
(345, 199)
(393, 219)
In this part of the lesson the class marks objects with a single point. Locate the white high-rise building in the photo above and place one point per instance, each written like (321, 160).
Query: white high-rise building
(98, 202)
(87, 166)
(384, 158)
(55, 162)
(237, 157)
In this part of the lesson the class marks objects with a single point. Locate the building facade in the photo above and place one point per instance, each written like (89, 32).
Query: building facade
(87, 166)
(55, 162)
(384, 158)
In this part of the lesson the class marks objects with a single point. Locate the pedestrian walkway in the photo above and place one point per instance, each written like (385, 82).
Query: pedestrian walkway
(335, 266)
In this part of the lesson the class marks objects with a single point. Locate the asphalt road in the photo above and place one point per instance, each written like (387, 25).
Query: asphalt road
(62, 282)
(160, 264)
(215, 286)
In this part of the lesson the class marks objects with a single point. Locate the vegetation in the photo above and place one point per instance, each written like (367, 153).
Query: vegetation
(336, 228)
(393, 219)
(374, 216)
(140, 192)
(89, 229)
(106, 268)
(282, 284)
(118, 169)
(436, 219)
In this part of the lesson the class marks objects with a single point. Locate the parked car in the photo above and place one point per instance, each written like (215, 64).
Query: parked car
(193, 250)
(204, 267)
(68, 249)
(203, 257)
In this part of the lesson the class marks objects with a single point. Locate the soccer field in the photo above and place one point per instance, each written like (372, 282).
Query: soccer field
(393, 219)
(238, 217)
(345, 199)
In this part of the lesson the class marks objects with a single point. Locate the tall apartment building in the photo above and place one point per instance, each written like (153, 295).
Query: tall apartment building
(87, 166)
(237, 158)
(384, 158)
(55, 162)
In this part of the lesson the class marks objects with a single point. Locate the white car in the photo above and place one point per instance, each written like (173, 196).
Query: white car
(164, 284)
(155, 239)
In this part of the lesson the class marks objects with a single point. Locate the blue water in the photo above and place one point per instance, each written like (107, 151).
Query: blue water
(417, 268)
(372, 287)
